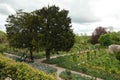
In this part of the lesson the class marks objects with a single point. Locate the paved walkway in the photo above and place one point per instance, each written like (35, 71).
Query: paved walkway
(59, 69)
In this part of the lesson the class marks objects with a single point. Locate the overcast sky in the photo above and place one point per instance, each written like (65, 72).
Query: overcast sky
(86, 15)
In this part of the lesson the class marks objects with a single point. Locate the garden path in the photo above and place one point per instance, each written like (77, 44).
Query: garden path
(59, 69)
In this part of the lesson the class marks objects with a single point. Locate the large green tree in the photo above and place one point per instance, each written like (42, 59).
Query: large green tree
(56, 31)
(23, 30)
(49, 28)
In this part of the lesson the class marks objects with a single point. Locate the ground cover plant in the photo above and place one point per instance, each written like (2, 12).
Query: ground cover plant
(67, 75)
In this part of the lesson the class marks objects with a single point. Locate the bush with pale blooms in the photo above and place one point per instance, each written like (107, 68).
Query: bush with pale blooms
(114, 48)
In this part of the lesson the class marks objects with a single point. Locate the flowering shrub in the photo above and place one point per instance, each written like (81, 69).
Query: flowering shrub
(20, 71)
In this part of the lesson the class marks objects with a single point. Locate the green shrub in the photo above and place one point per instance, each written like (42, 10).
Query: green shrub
(105, 40)
(118, 56)
(20, 71)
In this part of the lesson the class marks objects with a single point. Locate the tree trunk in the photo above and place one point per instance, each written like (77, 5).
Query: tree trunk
(47, 54)
(31, 54)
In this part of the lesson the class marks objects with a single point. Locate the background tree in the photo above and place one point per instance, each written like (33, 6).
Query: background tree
(105, 40)
(115, 37)
(3, 37)
(56, 31)
(23, 30)
(96, 34)
(109, 38)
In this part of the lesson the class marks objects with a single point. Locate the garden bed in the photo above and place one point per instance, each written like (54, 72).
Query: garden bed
(44, 67)
(100, 65)
(67, 75)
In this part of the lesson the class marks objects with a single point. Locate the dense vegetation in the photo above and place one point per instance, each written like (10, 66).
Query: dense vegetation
(67, 75)
(109, 38)
(3, 41)
(48, 28)
(93, 60)
(97, 33)
(3, 37)
(20, 71)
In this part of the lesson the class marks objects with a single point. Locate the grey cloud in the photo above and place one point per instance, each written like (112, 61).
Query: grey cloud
(2, 28)
(80, 10)
(27, 5)
(84, 20)
(4, 10)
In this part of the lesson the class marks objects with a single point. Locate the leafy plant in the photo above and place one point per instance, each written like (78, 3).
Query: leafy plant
(117, 55)
(105, 40)
(20, 71)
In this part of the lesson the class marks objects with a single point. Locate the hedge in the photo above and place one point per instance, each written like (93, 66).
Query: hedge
(20, 71)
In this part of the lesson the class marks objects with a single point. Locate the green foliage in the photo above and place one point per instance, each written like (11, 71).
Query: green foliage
(100, 64)
(81, 43)
(67, 75)
(3, 37)
(20, 71)
(56, 29)
(110, 38)
(115, 37)
(23, 30)
(4, 47)
(105, 40)
(48, 28)
(117, 55)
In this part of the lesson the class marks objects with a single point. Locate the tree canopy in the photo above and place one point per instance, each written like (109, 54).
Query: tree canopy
(115, 37)
(97, 33)
(110, 38)
(105, 40)
(49, 28)
(23, 30)
(56, 29)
